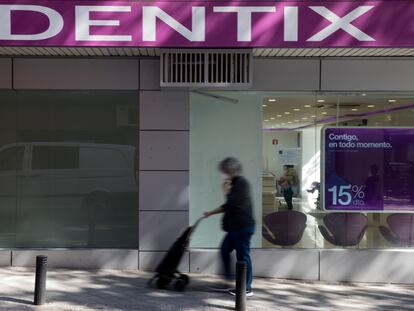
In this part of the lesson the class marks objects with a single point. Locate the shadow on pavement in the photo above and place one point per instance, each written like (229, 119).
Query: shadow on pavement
(127, 290)
(16, 300)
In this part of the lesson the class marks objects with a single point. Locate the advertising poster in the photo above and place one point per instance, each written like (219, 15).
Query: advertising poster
(368, 169)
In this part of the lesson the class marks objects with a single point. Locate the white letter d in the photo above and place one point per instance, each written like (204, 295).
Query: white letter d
(55, 22)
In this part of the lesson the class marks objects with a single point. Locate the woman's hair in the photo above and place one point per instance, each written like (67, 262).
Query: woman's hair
(230, 166)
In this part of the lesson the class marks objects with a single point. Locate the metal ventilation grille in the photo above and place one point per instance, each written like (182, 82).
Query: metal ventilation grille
(206, 68)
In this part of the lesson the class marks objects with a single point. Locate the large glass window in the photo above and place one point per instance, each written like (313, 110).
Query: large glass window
(67, 169)
(290, 211)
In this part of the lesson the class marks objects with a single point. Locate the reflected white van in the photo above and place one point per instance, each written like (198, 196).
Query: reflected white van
(63, 174)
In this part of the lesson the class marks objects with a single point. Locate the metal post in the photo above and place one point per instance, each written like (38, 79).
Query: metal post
(241, 271)
(40, 281)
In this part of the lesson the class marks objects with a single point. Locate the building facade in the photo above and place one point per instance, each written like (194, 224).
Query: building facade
(109, 145)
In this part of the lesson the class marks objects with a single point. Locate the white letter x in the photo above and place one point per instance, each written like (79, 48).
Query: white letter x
(343, 23)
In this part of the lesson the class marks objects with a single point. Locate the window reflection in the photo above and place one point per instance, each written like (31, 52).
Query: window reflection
(68, 170)
(11, 158)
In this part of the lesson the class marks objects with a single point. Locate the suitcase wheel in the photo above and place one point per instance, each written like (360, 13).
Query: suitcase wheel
(181, 282)
(162, 282)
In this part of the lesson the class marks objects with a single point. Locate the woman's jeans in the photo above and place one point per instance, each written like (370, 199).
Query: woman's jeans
(288, 195)
(239, 240)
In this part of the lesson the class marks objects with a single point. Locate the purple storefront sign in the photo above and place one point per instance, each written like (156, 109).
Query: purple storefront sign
(287, 24)
(368, 169)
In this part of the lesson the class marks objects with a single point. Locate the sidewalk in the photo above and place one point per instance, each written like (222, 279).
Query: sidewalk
(126, 290)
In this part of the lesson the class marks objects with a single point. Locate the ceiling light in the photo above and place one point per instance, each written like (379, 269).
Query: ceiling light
(271, 100)
(371, 106)
(363, 94)
(289, 122)
(266, 120)
(287, 112)
(296, 109)
(354, 109)
(283, 123)
(272, 118)
(307, 106)
(320, 100)
(324, 112)
(304, 118)
(264, 105)
(296, 120)
(279, 116)
(392, 100)
(313, 116)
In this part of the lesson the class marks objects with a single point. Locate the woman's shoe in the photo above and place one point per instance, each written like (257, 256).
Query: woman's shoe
(249, 292)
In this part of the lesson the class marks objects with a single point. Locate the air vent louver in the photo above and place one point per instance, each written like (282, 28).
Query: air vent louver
(206, 68)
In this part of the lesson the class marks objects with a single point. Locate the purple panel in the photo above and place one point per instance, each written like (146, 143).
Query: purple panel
(344, 229)
(286, 227)
(403, 227)
(369, 169)
(289, 24)
(76, 74)
(166, 110)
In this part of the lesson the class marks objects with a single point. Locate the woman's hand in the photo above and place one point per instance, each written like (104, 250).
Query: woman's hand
(218, 210)
(226, 186)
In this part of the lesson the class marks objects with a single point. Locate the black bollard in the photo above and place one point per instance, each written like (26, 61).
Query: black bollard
(40, 281)
(241, 271)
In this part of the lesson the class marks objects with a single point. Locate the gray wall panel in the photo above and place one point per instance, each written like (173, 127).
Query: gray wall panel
(158, 230)
(164, 110)
(368, 75)
(163, 190)
(286, 74)
(278, 263)
(286, 263)
(5, 73)
(76, 74)
(205, 261)
(79, 259)
(163, 151)
(150, 74)
(391, 266)
(5, 258)
(148, 261)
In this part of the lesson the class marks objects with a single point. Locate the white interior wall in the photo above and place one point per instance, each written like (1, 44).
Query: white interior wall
(220, 129)
(286, 139)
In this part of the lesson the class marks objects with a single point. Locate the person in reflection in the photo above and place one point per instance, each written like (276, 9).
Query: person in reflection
(238, 220)
(289, 180)
(410, 180)
(373, 186)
